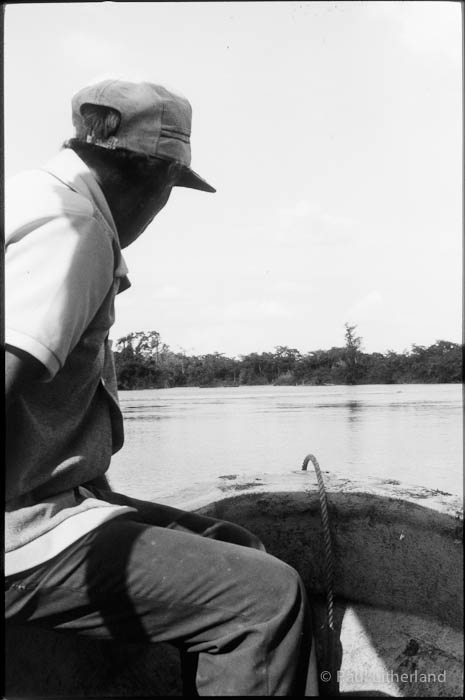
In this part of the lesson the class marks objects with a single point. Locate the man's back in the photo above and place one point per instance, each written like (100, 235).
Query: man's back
(61, 259)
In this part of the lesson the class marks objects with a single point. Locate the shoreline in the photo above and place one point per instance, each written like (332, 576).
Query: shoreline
(227, 385)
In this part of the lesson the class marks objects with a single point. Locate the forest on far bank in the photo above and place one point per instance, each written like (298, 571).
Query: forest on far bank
(143, 361)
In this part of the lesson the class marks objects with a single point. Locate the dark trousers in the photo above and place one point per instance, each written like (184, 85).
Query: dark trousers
(238, 612)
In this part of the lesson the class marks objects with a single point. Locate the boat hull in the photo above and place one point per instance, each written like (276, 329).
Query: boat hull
(397, 583)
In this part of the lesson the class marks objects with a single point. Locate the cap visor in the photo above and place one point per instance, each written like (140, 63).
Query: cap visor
(188, 178)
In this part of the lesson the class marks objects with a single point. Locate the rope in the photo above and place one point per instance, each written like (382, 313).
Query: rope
(329, 567)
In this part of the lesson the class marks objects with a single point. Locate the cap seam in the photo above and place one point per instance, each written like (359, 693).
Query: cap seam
(104, 88)
(161, 127)
(174, 135)
(172, 129)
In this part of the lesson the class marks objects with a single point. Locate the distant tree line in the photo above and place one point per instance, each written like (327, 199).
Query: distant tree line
(143, 361)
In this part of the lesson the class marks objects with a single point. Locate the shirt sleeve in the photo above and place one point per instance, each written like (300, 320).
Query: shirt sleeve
(57, 275)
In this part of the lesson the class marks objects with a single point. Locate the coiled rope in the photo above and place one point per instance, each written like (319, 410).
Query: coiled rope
(329, 565)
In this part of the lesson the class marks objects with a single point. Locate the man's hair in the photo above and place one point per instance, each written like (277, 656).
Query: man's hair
(117, 165)
(100, 122)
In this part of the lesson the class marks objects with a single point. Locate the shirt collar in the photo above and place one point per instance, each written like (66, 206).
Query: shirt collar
(72, 171)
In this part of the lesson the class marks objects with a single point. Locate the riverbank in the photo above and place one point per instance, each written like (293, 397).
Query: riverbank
(144, 363)
(231, 385)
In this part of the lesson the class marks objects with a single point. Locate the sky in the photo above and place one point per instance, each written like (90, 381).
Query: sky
(333, 135)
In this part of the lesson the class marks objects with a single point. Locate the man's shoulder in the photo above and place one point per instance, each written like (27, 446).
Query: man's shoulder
(35, 196)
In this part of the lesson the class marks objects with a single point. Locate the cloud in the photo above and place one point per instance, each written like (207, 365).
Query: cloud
(425, 28)
(367, 308)
(302, 209)
(168, 292)
(305, 218)
(253, 310)
(89, 50)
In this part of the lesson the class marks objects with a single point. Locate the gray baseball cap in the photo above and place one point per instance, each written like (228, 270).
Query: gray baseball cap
(154, 121)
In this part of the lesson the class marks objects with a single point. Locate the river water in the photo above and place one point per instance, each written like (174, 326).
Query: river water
(184, 436)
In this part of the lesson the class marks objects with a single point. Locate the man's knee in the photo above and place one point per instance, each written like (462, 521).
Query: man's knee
(275, 588)
(288, 584)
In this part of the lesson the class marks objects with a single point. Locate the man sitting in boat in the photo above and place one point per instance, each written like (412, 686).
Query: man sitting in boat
(79, 557)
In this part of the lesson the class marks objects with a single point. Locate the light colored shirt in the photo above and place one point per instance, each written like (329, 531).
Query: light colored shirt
(63, 269)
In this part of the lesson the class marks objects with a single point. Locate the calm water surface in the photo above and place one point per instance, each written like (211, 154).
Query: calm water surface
(178, 437)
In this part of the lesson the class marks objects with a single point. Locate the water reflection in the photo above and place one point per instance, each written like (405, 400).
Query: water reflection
(355, 407)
